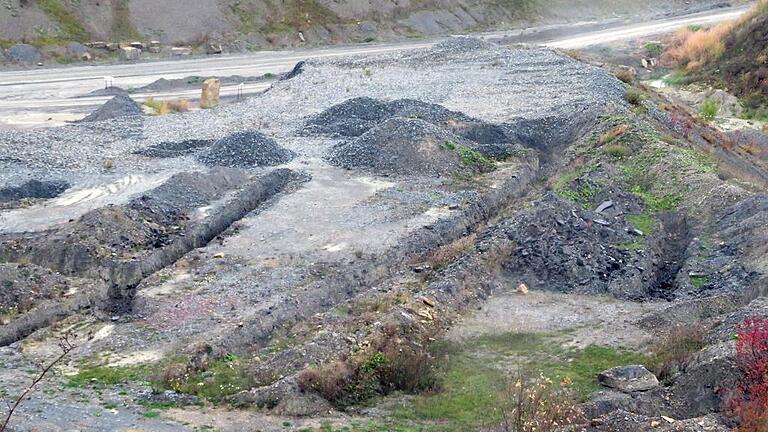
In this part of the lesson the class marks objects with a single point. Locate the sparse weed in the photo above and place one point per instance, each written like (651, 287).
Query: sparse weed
(634, 97)
(709, 109)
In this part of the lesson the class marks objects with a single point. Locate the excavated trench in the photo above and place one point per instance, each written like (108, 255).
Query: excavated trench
(167, 237)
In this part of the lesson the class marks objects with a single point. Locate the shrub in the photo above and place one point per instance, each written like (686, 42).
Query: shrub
(448, 253)
(749, 401)
(625, 75)
(709, 110)
(391, 364)
(694, 49)
(537, 404)
(654, 49)
(618, 151)
(674, 352)
(634, 97)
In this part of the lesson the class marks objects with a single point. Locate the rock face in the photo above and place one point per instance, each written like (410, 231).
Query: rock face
(629, 379)
(118, 106)
(23, 53)
(210, 95)
(129, 54)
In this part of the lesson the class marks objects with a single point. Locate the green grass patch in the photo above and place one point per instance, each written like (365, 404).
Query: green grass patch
(709, 109)
(654, 49)
(676, 79)
(658, 203)
(473, 158)
(103, 376)
(473, 389)
(699, 281)
(643, 222)
(151, 414)
(68, 23)
(224, 377)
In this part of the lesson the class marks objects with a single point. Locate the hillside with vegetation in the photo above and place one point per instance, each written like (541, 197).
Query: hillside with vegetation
(732, 56)
(256, 24)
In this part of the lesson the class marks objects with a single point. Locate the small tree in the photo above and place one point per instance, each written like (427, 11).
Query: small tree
(749, 401)
(66, 346)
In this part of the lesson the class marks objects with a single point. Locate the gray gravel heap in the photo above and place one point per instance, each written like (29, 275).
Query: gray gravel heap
(119, 106)
(246, 149)
(402, 146)
(548, 92)
(175, 149)
(33, 189)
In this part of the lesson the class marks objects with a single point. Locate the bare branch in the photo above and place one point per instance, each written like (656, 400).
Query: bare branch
(66, 346)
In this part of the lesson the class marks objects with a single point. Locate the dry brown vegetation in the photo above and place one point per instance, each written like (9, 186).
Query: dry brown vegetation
(693, 48)
(536, 404)
(674, 352)
(168, 107)
(389, 363)
(448, 253)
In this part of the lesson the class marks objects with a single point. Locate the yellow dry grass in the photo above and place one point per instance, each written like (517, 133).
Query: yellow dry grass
(693, 49)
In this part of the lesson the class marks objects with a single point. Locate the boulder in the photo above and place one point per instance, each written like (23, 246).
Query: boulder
(210, 95)
(155, 46)
(213, 48)
(129, 54)
(137, 45)
(628, 379)
(368, 27)
(113, 46)
(76, 49)
(181, 51)
(97, 45)
(24, 53)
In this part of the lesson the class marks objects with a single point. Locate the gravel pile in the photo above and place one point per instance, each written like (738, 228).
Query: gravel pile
(175, 149)
(33, 189)
(546, 91)
(356, 116)
(244, 150)
(119, 106)
(404, 146)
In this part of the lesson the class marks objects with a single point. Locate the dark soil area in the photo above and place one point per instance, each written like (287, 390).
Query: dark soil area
(34, 189)
(175, 149)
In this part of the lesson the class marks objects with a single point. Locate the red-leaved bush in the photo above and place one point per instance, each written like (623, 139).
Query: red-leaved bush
(749, 403)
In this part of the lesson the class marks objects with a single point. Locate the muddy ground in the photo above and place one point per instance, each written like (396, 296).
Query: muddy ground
(533, 216)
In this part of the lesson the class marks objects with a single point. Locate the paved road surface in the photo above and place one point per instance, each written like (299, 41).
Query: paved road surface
(47, 96)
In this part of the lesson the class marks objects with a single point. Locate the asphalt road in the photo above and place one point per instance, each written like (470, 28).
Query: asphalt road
(49, 96)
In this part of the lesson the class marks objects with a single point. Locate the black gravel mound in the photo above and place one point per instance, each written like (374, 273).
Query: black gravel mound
(354, 117)
(118, 106)
(175, 149)
(34, 189)
(408, 146)
(244, 150)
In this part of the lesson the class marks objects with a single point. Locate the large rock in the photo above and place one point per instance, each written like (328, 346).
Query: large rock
(76, 49)
(629, 379)
(210, 95)
(23, 53)
(118, 106)
(129, 54)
